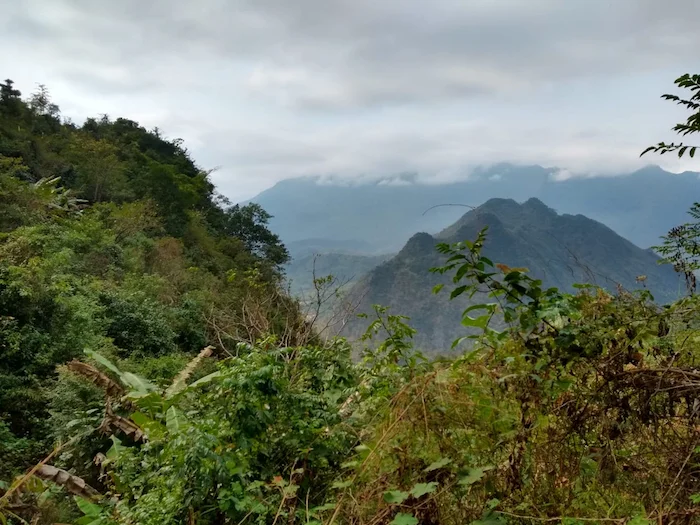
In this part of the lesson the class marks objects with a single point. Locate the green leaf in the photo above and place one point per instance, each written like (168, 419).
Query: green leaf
(175, 420)
(478, 322)
(141, 419)
(437, 464)
(103, 361)
(395, 496)
(639, 520)
(421, 489)
(153, 428)
(116, 449)
(438, 287)
(204, 380)
(88, 508)
(458, 291)
(152, 402)
(404, 519)
(34, 484)
(3, 519)
(139, 385)
(473, 475)
(321, 508)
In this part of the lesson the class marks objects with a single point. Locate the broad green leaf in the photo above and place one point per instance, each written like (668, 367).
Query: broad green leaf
(139, 385)
(437, 464)
(153, 428)
(458, 291)
(175, 420)
(404, 519)
(116, 449)
(43, 497)
(473, 475)
(395, 496)
(103, 361)
(478, 322)
(153, 402)
(639, 520)
(90, 520)
(88, 508)
(141, 419)
(204, 380)
(34, 484)
(438, 287)
(421, 489)
(321, 508)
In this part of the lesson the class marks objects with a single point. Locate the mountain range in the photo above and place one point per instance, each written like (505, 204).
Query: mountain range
(560, 249)
(380, 216)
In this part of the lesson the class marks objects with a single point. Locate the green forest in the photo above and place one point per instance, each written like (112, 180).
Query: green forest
(153, 369)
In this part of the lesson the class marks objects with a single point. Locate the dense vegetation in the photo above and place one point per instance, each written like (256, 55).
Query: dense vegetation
(112, 239)
(581, 408)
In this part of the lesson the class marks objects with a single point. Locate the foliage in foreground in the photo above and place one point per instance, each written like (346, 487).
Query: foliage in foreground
(582, 408)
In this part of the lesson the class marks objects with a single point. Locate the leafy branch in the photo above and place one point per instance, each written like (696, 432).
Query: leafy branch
(690, 126)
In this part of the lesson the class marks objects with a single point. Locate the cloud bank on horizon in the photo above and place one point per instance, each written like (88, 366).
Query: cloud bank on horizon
(272, 89)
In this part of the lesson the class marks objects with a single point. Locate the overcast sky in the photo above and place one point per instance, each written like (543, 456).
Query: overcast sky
(271, 89)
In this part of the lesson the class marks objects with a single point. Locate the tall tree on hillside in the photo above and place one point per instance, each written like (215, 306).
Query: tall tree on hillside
(10, 101)
(249, 224)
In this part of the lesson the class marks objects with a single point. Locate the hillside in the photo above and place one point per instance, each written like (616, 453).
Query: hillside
(113, 239)
(559, 249)
(640, 206)
(347, 268)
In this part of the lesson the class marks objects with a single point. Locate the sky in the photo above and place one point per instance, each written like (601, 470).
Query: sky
(263, 90)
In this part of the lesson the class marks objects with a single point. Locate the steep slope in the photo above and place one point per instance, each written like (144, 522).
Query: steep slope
(345, 267)
(559, 249)
(640, 206)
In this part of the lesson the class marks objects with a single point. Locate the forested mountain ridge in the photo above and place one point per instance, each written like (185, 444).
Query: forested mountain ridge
(561, 250)
(112, 239)
(641, 206)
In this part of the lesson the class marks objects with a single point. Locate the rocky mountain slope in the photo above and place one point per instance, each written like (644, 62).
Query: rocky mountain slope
(559, 249)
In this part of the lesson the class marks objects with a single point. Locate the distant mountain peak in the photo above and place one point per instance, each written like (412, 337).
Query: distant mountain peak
(418, 244)
(559, 249)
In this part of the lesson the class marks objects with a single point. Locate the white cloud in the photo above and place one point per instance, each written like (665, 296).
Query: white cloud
(360, 89)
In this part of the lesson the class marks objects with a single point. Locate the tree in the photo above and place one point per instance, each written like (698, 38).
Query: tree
(691, 125)
(10, 101)
(100, 174)
(681, 246)
(40, 102)
(249, 224)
